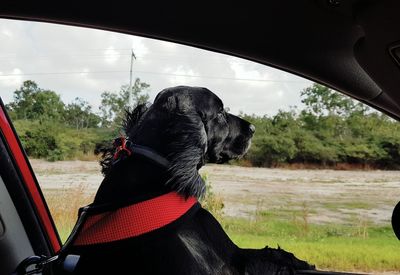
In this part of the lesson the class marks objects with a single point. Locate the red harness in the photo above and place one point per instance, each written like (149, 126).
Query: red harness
(133, 220)
(121, 147)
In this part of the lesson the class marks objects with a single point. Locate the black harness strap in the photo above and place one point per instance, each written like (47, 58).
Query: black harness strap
(126, 148)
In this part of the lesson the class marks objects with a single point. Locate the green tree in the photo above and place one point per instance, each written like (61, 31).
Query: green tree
(79, 115)
(32, 102)
(113, 105)
(321, 100)
(23, 100)
(47, 105)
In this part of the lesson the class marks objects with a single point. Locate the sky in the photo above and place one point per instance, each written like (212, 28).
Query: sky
(80, 62)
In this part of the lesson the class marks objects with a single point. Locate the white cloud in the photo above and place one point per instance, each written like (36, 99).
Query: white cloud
(6, 32)
(85, 72)
(259, 77)
(11, 79)
(168, 45)
(111, 55)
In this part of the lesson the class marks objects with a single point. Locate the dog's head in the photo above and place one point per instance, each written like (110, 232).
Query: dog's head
(189, 126)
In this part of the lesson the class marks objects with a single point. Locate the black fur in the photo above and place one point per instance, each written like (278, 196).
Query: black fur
(188, 126)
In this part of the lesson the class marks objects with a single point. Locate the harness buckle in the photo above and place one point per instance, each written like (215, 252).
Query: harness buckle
(34, 265)
(121, 146)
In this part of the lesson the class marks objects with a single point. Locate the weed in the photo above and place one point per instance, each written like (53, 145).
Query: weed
(211, 201)
(362, 227)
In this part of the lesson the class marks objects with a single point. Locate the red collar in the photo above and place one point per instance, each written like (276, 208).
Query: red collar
(133, 220)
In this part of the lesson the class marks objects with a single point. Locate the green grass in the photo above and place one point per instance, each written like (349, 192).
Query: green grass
(347, 205)
(344, 248)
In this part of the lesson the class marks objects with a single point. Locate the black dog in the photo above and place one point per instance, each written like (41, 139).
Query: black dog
(187, 127)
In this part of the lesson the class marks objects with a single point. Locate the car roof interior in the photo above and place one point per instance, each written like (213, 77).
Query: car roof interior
(352, 46)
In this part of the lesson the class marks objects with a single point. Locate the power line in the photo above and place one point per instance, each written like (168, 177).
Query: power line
(158, 73)
(60, 73)
(147, 57)
(150, 55)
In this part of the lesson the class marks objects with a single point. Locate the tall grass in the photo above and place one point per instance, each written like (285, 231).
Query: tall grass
(64, 205)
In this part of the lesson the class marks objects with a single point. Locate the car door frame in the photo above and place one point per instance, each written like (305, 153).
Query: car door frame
(25, 218)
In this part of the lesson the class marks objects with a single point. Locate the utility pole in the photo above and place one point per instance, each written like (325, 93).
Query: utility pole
(130, 80)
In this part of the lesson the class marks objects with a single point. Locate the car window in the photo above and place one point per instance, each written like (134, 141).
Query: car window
(320, 179)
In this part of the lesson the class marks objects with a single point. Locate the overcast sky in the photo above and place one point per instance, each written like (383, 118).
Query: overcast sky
(79, 62)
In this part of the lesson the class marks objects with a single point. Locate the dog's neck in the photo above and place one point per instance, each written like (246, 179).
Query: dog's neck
(132, 178)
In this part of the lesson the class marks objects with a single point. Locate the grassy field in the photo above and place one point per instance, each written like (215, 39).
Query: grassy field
(336, 220)
(342, 248)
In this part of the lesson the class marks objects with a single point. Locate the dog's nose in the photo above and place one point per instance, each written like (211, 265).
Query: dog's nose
(252, 128)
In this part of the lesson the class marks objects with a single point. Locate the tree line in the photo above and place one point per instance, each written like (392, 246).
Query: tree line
(50, 129)
(330, 130)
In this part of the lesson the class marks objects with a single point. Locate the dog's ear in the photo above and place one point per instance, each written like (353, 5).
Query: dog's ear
(186, 150)
(188, 110)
